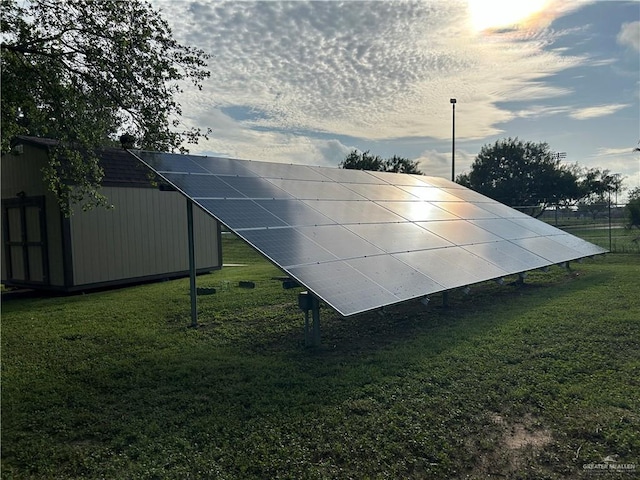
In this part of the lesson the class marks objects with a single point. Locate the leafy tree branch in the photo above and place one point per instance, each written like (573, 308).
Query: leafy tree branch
(84, 73)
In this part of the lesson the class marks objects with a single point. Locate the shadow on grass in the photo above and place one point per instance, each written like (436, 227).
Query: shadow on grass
(278, 329)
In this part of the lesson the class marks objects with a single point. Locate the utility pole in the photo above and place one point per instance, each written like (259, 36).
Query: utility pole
(453, 141)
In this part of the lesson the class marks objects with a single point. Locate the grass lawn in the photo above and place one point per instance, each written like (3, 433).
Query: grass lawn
(540, 381)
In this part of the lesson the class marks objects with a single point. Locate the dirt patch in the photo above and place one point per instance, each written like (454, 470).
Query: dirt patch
(524, 433)
(510, 447)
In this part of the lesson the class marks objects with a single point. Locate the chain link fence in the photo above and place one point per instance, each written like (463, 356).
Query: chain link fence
(602, 225)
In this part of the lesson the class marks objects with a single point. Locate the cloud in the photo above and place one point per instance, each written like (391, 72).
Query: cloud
(374, 70)
(605, 152)
(597, 111)
(629, 35)
(536, 111)
(231, 138)
(438, 164)
(578, 113)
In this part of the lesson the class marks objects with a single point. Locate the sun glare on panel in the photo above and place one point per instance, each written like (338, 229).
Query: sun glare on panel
(496, 14)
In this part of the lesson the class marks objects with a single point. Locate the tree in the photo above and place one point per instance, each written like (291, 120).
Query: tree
(86, 72)
(596, 187)
(633, 208)
(520, 174)
(365, 161)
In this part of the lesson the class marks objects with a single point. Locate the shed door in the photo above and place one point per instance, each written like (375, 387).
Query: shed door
(25, 240)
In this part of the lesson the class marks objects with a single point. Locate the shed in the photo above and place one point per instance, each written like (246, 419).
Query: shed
(143, 238)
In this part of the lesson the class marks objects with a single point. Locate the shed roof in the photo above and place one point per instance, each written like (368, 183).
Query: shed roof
(120, 167)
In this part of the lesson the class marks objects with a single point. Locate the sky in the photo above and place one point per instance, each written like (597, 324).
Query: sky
(308, 82)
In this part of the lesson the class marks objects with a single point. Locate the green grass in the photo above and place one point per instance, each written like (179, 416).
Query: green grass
(509, 382)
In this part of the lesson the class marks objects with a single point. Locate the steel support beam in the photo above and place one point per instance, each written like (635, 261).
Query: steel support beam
(192, 265)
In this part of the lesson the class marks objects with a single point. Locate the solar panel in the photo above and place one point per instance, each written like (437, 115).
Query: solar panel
(429, 194)
(402, 280)
(287, 247)
(353, 211)
(340, 241)
(343, 287)
(362, 240)
(509, 256)
(446, 266)
(399, 237)
(284, 171)
(459, 232)
(418, 211)
(295, 213)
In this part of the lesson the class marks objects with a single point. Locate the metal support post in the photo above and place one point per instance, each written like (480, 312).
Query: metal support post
(315, 311)
(309, 303)
(307, 336)
(192, 265)
(609, 220)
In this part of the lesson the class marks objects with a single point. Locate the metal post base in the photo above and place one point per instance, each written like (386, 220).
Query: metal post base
(445, 299)
(309, 303)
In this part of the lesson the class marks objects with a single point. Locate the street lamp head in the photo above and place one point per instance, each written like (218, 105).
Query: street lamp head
(453, 100)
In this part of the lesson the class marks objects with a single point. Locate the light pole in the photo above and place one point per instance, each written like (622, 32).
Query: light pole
(453, 141)
(558, 156)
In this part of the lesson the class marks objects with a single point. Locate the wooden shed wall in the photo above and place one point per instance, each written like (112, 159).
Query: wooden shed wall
(142, 238)
(145, 234)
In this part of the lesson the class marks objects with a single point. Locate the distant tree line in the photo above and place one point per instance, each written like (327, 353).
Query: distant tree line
(531, 177)
(366, 161)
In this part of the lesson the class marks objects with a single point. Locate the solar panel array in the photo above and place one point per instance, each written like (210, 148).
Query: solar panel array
(361, 240)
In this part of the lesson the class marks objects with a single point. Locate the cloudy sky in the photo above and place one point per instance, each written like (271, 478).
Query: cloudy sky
(307, 82)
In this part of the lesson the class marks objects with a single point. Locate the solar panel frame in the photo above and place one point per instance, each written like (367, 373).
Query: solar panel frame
(362, 240)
